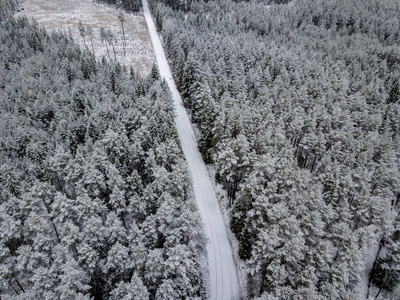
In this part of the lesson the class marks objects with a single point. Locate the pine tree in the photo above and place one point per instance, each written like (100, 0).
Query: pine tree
(82, 32)
(89, 32)
(121, 18)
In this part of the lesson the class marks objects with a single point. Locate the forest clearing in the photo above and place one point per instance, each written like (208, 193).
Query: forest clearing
(66, 15)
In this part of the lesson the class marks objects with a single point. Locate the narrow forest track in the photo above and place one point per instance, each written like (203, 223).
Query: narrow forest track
(224, 282)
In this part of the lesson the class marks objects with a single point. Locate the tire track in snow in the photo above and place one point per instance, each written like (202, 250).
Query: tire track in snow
(224, 283)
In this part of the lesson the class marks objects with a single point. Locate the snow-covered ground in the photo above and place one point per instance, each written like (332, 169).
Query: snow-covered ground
(223, 276)
(241, 266)
(65, 15)
(371, 256)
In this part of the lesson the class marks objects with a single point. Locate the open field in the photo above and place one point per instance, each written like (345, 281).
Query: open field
(65, 16)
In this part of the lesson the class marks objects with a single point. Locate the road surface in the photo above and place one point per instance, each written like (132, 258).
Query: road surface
(224, 284)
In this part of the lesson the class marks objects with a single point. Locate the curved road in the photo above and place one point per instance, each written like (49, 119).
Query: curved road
(223, 276)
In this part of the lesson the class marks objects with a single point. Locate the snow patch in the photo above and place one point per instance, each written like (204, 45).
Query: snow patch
(62, 15)
(242, 267)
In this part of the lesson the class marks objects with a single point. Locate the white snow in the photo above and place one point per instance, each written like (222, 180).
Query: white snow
(63, 15)
(223, 276)
(243, 269)
(371, 256)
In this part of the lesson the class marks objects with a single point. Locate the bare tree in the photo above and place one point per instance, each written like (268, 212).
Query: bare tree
(82, 32)
(89, 32)
(103, 37)
(110, 37)
(121, 18)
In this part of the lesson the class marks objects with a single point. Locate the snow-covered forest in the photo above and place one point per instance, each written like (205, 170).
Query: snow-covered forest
(128, 5)
(95, 196)
(298, 107)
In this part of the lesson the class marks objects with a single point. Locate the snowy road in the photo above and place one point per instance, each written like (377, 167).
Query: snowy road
(223, 276)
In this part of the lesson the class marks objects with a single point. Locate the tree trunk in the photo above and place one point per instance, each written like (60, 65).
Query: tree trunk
(313, 164)
(115, 55)
(10, 283)
(52, 221)
(91, 41)
(19, 285)
(124, 40)
(84, 41)
(373, 265)
(108, 52)
(264, 272)
(386, 280)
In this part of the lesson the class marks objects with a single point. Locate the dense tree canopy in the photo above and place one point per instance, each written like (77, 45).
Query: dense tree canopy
(298, 107)
(128, 5)
(95, 197)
